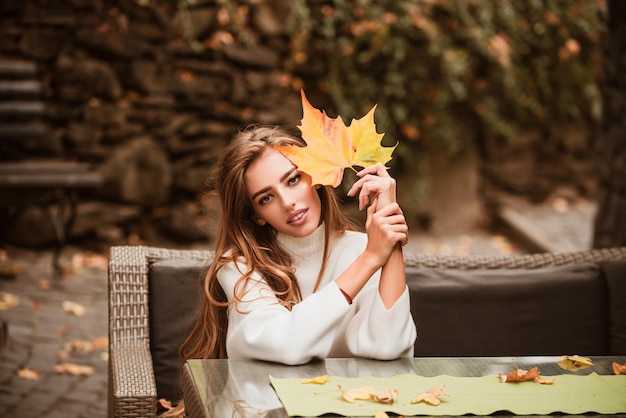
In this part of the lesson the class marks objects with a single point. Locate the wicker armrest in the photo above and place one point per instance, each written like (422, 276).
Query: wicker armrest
(132, 388)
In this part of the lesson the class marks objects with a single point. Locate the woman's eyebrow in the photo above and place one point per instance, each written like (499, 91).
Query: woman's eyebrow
(282, 178)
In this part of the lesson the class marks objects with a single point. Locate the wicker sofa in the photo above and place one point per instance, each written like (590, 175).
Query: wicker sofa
(547, 303)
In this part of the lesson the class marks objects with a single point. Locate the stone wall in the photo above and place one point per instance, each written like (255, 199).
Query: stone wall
(148, 93)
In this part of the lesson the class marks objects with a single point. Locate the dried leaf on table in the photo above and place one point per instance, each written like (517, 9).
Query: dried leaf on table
(362, 393)
(619, 368)
(331, 146)
(318, 380)
(431, 396)
(386, 396)
(369, 392)
(28, 374)
(519, 375)
(575, 362)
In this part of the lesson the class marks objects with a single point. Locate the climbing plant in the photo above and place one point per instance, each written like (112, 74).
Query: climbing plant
(445, 72)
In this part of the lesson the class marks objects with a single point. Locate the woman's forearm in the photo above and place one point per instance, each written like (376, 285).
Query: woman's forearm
(392, 278)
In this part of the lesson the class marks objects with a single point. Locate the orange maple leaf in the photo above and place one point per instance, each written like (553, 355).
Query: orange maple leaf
(519, 375)
(350, 395)
(331, 146)
(619, 368)
(431, 396)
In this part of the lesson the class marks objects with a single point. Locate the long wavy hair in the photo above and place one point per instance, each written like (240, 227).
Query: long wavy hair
(242, 240)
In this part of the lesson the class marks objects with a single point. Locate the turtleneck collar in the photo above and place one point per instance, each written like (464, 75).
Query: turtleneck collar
(304, 247)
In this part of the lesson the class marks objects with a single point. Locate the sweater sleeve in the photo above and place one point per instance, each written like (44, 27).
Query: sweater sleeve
(380, 333)
(259, 327)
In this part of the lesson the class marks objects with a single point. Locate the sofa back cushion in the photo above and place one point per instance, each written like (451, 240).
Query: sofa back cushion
(614, 273)
(174, 296)
(546, 311)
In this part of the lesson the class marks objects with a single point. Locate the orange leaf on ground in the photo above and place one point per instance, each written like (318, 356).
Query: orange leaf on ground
(519, 375)
(73, 369)
(28, 374)
(73, 308)
(619, 368)
(331, 146)
(431, 396)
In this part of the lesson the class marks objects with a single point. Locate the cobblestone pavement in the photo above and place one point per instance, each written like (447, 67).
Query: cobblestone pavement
(48, 327)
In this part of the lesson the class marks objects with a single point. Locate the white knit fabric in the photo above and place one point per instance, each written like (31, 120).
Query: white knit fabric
(323, 325)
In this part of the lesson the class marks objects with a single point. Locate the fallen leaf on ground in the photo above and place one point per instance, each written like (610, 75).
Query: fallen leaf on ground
(619, 368)
(574, 362)
(519, 375)
(165, 404)
(100, 343)
(73, 308)
(319, 380)
(8, 301)
(73, 369)
(431, 396)
(64, 330)
(43, 284)
(331, 146)
(10, 270)
(28, 374)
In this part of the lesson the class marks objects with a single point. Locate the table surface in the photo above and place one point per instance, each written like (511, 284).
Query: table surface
(241, 388)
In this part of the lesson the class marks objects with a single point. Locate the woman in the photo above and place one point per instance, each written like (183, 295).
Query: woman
(291, 281)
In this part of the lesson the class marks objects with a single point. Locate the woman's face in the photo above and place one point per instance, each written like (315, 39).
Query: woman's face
(282, 196)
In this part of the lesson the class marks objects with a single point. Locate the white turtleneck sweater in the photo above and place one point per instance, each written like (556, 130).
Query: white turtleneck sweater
(323, 325)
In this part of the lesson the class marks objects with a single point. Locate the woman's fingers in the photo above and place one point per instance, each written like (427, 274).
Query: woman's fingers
(372, 187)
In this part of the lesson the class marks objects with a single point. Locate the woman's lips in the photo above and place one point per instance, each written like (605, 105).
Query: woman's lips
(297, 217)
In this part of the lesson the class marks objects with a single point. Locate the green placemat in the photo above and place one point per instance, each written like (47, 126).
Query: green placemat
(468, 395)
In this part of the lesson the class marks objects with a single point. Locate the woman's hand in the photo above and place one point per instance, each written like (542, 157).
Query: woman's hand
(385, 228)
(378, 188)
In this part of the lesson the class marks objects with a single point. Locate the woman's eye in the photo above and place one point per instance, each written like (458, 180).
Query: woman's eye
(294, 179)
(265, 199)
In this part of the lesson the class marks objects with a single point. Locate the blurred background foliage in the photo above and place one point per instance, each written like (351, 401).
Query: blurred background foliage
(453, 74)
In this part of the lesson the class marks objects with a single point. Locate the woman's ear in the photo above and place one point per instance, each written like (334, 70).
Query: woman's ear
(259, 221)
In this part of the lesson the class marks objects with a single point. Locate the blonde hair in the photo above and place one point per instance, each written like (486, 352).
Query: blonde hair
(240, 239)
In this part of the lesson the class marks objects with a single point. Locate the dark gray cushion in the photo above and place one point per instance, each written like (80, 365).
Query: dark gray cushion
(615, 274)
(174, 290)
(547, 311)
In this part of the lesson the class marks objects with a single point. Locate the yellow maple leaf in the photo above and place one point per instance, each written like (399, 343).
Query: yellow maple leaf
(318, 380)
(331, 146)
(574, 362)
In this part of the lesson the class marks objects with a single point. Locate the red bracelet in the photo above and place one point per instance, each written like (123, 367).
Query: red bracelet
(347, 296)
